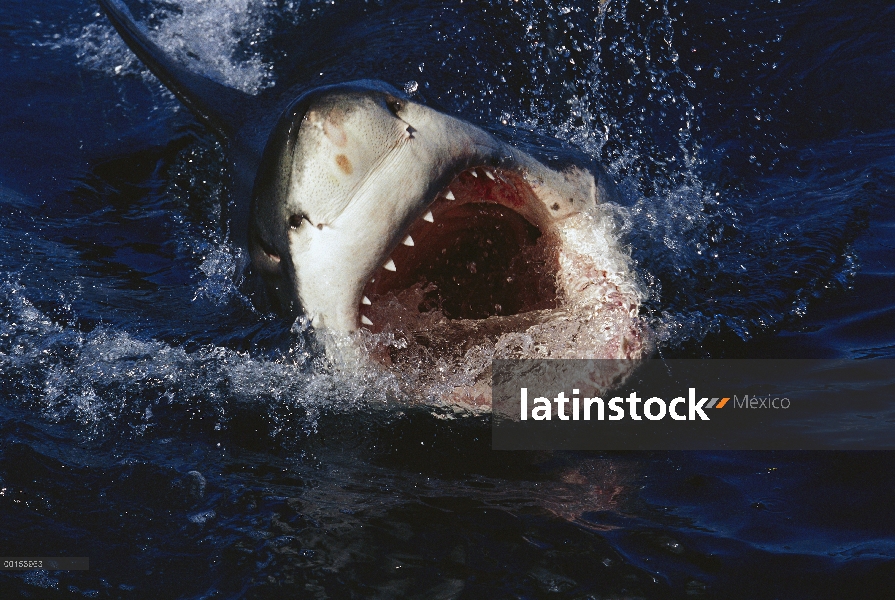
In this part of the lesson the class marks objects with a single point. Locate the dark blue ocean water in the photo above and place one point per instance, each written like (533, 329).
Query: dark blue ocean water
(192, 447)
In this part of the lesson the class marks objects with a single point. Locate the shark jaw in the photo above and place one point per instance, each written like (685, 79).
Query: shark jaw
(482, 276)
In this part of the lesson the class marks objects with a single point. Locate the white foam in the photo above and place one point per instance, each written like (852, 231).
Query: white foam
(110, 381)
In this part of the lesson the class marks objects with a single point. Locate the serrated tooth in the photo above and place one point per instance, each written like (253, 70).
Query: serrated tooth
(450, 195)
(408, 241)
(364, 320)
(490, 176)
(428, 216)
(390, 265)
(366, 301)
(474, 174)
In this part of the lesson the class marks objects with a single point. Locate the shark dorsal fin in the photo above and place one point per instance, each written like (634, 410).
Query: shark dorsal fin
(222, 108)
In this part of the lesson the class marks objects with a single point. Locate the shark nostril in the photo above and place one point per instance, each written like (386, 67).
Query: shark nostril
(394, 104)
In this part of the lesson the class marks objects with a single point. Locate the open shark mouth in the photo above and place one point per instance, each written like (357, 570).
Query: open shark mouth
(482, 274)
(472, 255)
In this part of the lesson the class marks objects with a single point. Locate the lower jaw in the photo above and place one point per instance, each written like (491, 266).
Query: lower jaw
(448, 361)
(431, 335)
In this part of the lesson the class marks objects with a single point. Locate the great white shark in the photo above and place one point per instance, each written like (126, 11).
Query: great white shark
(415, 236)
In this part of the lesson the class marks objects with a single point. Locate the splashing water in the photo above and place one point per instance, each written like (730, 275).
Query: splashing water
(220, 40)
(109, 383)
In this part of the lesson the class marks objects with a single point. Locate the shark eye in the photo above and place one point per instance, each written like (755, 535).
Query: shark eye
(295, 221)
(395, 105)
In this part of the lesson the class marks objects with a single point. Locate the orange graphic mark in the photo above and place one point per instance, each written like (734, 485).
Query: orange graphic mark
(722, 403)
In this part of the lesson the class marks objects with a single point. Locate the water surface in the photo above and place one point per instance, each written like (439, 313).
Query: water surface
(194, 447)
